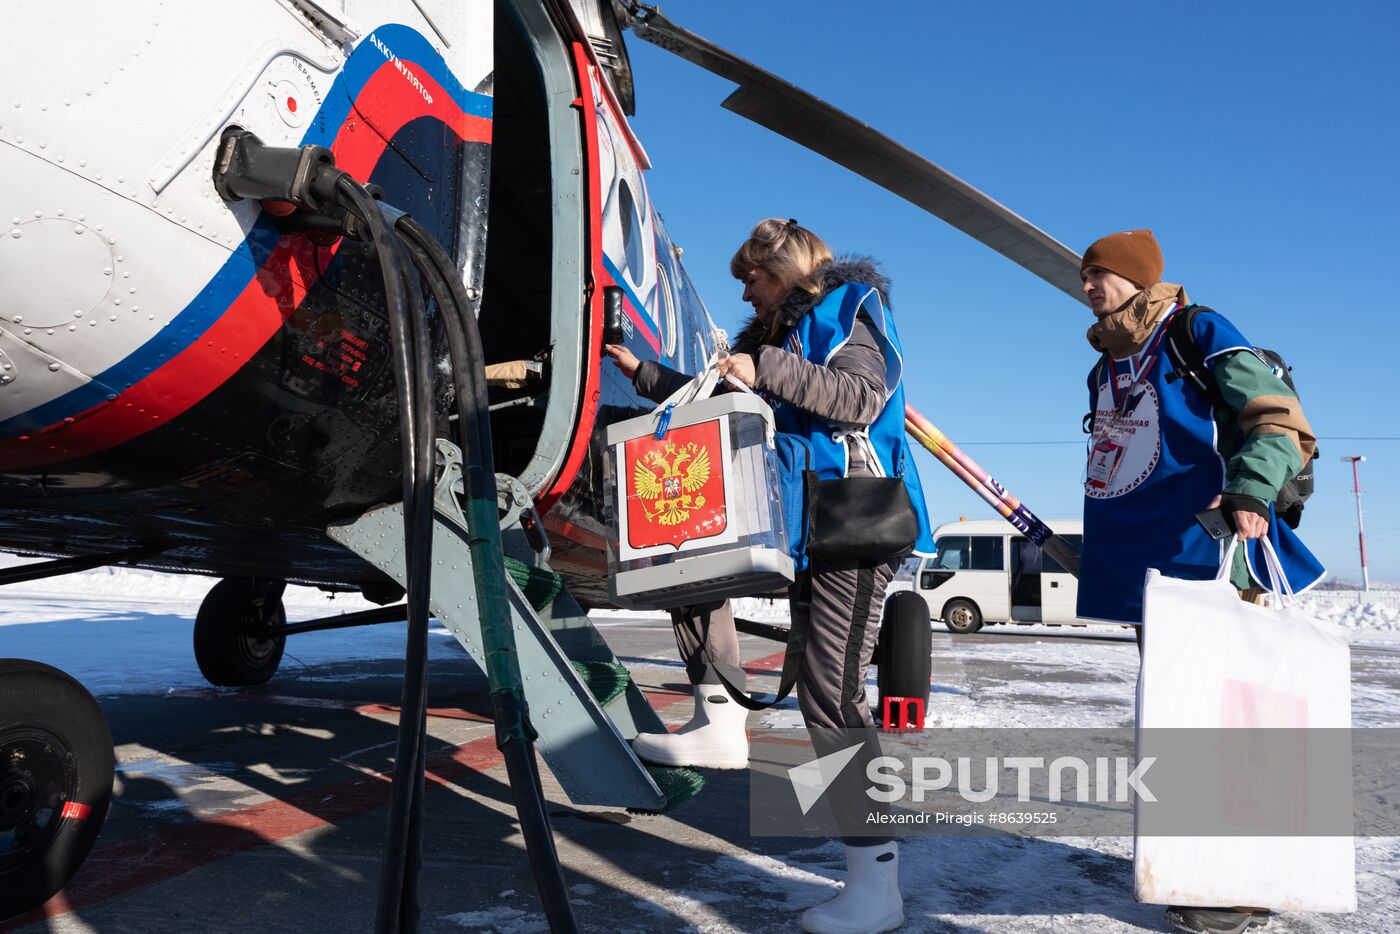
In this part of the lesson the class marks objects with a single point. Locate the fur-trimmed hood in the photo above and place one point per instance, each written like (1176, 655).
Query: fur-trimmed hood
(843, 270)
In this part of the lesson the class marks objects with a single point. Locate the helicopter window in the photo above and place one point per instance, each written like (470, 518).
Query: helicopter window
(631, 229)
(667, 323)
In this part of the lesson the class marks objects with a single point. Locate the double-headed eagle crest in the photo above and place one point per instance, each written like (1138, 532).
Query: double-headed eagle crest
(672, 477)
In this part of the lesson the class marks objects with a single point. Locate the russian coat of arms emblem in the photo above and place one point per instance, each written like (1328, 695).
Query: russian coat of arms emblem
(675, 491)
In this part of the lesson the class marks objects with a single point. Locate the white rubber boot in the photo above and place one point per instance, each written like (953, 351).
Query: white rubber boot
(713, 739)
(870, 902)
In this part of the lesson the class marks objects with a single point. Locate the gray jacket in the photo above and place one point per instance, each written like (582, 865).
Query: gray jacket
(848, 391)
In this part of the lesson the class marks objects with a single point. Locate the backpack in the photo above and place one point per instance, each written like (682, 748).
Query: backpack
(1190, 364)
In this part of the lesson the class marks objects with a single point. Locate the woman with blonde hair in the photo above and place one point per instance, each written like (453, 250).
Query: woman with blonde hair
(821, 348)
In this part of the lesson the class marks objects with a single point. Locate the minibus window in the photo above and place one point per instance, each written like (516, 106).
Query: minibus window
(987, 553)
(952, 553)
(969, 553)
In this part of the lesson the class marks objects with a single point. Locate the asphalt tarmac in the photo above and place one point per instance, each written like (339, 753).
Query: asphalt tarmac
(264, 809)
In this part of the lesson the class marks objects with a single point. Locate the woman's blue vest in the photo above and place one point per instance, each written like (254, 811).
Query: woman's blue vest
(816, 337)
(1171, 468)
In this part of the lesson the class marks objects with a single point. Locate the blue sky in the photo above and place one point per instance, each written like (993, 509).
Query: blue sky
(1257, 140)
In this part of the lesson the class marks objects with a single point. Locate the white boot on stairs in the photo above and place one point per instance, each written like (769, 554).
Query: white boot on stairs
(713, 739)
(870, 902)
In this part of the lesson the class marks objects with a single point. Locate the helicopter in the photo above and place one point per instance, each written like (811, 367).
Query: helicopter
(198, 373)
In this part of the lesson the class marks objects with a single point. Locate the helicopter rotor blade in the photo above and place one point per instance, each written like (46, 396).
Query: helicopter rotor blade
(809, 121)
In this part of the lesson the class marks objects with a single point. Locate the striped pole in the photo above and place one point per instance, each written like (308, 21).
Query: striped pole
(992, 492)
(1360, 529)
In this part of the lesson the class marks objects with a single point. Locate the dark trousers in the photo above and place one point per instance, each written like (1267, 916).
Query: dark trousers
(843, 600)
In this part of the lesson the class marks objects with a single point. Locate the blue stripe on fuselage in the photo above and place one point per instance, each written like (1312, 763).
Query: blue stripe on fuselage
(215, 298)
(621, 280)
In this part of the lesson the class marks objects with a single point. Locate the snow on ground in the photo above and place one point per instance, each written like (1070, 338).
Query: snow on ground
(1377, 611)
(121, 630)
(1017, 885)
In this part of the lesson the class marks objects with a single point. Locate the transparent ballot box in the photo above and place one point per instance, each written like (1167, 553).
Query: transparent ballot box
(696, 512)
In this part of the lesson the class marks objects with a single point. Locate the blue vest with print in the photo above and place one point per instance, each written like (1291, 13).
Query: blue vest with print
(816, 337)
(1170, 469)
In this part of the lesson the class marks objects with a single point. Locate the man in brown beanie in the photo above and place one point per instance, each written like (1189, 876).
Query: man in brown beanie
(1164, 448)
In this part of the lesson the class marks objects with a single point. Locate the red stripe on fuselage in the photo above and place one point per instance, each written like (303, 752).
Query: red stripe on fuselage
(255, 315)
(588, 408)
(386, 103)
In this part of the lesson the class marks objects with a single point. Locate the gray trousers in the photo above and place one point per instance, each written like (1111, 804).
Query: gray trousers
(844, 624)
(842, 602)
(707, 640)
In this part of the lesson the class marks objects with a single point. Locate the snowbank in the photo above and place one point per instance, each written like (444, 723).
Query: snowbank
(1378, 610)
(132, 584)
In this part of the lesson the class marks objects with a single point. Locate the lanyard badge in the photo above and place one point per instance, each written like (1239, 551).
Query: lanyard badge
(1104, 458)
(1112, 435)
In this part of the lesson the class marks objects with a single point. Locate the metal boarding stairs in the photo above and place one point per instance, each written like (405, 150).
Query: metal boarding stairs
(585, 739)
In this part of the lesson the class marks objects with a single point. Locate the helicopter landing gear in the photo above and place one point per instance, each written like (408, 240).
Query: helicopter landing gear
(237, 642)
(56, 767)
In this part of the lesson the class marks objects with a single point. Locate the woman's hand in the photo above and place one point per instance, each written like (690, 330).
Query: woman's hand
(740, 366)
(625, 359)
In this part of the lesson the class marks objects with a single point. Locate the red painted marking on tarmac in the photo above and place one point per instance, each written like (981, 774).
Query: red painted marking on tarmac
(122, 867)
(441, 713)
(324, 703)
(282, 700)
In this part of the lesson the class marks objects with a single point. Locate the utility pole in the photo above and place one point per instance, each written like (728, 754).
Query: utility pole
(1360, 529)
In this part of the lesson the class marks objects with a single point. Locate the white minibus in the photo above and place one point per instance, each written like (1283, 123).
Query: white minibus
(984, 571)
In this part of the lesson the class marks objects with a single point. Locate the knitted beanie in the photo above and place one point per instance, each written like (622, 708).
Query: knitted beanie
(1133, 254)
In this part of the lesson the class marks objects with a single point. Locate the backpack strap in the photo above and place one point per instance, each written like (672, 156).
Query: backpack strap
(1095, 380)
(1188, 361)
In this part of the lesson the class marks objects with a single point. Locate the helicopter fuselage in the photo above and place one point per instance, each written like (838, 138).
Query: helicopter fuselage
(210, 380)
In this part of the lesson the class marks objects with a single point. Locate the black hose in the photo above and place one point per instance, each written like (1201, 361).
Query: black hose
(513, 733)
(419, 580)
(397, 909)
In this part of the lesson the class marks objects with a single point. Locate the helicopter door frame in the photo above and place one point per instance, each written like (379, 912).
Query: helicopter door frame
(572, 370)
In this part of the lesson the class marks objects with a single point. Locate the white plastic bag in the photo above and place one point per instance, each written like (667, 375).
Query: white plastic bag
(1213, 662)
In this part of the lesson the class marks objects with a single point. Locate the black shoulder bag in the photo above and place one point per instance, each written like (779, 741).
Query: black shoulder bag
(870, 518)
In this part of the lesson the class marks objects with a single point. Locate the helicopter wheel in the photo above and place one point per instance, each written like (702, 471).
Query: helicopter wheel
(234, 643)
(56, 768)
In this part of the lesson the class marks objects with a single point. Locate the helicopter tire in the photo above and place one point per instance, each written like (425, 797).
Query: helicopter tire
(56, 770)
(231, 644)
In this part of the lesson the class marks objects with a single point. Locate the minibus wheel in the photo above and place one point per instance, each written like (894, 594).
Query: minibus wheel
(962, 616)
